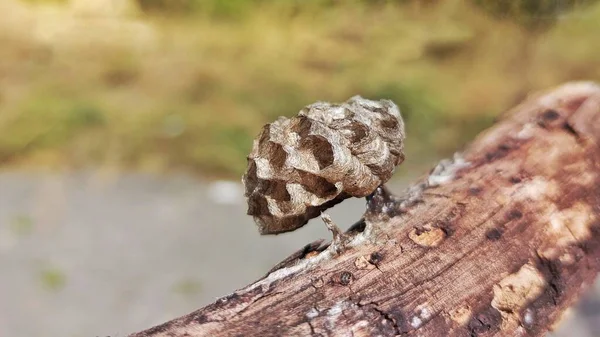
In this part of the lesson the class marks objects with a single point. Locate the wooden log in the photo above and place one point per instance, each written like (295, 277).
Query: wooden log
(499, 241)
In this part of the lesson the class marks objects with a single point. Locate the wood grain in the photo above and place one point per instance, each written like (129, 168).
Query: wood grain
(498, 242)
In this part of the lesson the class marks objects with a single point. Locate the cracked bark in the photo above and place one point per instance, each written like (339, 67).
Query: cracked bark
(498, 242)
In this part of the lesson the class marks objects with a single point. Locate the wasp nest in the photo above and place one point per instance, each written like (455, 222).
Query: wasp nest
(302, 165)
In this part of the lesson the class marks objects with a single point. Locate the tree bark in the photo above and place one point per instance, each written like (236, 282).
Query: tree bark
(499, 241)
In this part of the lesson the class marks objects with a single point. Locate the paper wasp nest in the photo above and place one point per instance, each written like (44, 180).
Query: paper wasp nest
(302, 165)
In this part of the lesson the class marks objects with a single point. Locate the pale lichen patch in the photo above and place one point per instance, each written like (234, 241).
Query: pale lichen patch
(336, 309)
(334, 313)
(422, 313)
(427, 236)
(555, 97)
(360, 328)
(528, 317)
(580, 173)
(446, 170)
(362, 237)
(517, 290)
(571, 225)
(527, 131)
(536, 189)
(318, 282)
(302, 265)
(363, 263)
(549, 253)
(502, 199)
(567, 259)
(520, 331)
(312, 313)
(416, 322)
(425, 311)
(461, 315)
(513, 293)
(412, 195)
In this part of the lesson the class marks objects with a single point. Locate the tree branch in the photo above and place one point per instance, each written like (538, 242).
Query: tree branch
(499, 241)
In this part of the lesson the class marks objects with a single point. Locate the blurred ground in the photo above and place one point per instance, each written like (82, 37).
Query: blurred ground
(90, 255)
(95, 255)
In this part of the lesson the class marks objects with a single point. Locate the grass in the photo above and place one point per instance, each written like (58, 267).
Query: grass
(155, 91)
(22, 225)
(187, 287)
(52, 279)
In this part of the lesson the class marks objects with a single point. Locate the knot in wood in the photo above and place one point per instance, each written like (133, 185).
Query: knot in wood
(300, 166)
(345, 278)
(375, 258)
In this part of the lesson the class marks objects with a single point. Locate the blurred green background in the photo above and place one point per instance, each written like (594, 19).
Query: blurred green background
(160, 85)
